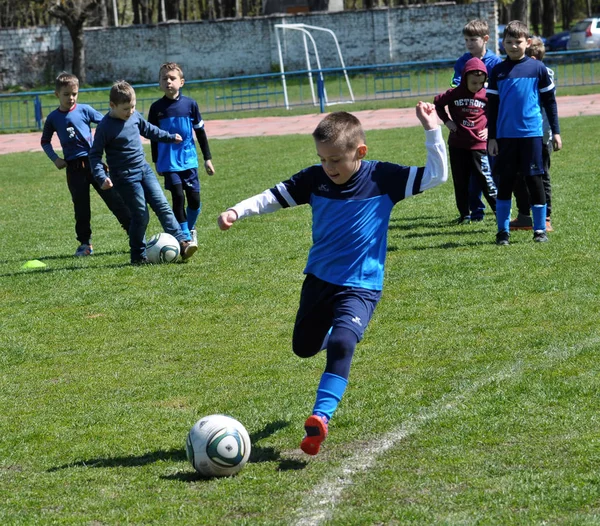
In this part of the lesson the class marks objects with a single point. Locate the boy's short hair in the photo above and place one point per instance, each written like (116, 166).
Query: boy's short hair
(121, 92)
(171, 66)
(516, 29)
(537, 49)
(476, 28)
(341, 129)
(65, 80)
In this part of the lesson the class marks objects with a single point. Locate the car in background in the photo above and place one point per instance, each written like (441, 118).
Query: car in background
(558, 42)
(585, 34)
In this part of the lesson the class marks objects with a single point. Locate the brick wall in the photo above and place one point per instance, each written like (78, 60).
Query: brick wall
(242, 46)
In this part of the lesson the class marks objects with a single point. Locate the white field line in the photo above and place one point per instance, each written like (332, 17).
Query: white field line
(319, 505)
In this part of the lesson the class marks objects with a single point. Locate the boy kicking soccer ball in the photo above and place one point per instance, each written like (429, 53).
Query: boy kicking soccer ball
(351, 202)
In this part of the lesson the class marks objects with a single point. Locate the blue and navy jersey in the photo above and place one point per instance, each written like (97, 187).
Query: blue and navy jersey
(489, 59)
(515, 91)
(74, 131)
(181, 116)
(350, 221)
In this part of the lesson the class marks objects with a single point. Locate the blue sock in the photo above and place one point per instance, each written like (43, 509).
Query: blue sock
(330, 392)
(192, 216)
(503, 214)
(186, 231)
(539, 217)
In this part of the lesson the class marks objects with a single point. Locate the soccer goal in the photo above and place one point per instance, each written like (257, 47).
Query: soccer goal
(306, 36)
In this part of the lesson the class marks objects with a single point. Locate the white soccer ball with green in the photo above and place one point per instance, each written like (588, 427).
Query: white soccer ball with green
(218, 446)
(162, 248)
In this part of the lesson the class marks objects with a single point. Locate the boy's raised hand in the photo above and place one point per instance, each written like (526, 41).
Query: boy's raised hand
(226, 219)
(427, 115)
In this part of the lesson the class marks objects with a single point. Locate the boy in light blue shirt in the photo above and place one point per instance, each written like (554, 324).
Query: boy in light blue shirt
(178, 163)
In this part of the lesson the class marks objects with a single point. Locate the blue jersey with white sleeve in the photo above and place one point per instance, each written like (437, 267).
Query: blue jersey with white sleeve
(181, 116)
(350, 221)
(74, 131)
(489, 59)
(515, 91)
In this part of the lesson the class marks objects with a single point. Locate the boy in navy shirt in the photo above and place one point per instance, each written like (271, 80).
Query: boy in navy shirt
(178, 162)
(118, 134)
(72, 123)
(516, 89)
(467, 141)
(351, 202)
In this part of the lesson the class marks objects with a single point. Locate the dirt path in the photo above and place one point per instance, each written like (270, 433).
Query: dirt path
(571, 106)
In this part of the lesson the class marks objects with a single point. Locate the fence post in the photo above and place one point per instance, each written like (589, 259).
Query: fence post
(321, 92)
(37, 105)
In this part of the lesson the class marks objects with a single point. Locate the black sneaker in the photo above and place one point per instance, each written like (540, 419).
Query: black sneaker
(539, 236)
(140, 262)
(463, 220)
(502, 238)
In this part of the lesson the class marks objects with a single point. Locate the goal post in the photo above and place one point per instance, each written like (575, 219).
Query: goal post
(306, 29)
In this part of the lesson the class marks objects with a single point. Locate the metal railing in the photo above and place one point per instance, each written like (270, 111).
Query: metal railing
(318, 88)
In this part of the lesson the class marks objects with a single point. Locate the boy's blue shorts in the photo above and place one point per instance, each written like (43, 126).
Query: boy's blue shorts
(323, 305)
(188, 179)
(522, 156)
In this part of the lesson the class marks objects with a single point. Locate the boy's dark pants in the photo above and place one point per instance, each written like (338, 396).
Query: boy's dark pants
(464, 163)
(522, 193)
(79, 180)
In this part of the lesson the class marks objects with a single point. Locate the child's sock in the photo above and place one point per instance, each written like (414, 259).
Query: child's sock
(329, 393)
(192, 216)
(539, 217)
(503, 214)
(186, 231)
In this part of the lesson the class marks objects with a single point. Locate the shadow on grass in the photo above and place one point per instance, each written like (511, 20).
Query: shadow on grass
(258, 454)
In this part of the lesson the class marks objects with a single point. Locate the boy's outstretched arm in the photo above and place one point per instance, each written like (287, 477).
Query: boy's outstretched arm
(436, 166)
(264, 203)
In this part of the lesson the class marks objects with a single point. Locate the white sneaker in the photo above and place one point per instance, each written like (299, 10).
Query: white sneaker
(194, 236)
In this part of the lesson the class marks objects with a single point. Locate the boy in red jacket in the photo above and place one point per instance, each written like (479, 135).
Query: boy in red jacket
(467, 142)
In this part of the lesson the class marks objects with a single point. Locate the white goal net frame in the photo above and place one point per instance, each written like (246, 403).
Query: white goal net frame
(306, 29)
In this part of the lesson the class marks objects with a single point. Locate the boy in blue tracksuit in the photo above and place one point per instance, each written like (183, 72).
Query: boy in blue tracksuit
(72, 123)
(178, 163)
(118, 135)
(351, 201)
(516, 89)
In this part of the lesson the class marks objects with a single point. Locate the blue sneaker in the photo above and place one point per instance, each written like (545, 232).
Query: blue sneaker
(84, 250)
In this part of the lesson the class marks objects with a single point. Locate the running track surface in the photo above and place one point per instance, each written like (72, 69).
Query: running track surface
(571, 106)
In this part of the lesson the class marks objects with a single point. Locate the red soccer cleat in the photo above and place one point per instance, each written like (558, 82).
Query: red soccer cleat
(316, 431)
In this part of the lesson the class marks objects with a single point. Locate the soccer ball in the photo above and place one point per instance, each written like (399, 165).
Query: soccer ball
(162, 248)
(218, 446)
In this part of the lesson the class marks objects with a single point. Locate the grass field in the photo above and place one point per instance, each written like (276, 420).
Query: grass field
(473, 398)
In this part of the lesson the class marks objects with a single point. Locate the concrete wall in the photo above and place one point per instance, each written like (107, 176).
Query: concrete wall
(242, 46)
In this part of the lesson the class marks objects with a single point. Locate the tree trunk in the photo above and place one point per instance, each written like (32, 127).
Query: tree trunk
(78, 65)
(518, 11)
(548, 17)
(536, 16)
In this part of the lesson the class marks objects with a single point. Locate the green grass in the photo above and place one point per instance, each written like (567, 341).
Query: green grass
(479, 367)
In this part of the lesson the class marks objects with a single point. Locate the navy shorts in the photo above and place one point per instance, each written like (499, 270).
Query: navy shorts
(188, 179)
(522, 156)
(323, 305)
